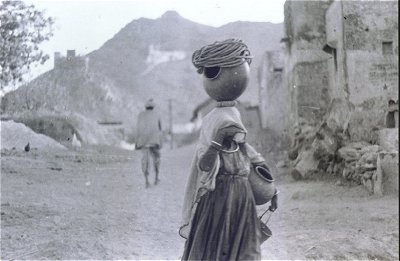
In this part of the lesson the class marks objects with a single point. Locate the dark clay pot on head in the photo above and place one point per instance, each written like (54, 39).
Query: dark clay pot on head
(226, 83)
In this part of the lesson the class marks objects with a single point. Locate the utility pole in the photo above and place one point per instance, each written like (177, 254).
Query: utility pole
(171, 123)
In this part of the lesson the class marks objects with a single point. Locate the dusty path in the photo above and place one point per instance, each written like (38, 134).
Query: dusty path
(92, 204)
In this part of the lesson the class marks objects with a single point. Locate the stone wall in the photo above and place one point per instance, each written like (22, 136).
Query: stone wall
(305, 37)
(350, 78)
(338, 87)
(363, 68)
(386, 178)
(312, 90)
(273, 97)
(368, 23)
(305, 23)
(371, 40)
(252, 121)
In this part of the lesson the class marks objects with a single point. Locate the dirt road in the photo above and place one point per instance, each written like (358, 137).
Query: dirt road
(92, 204)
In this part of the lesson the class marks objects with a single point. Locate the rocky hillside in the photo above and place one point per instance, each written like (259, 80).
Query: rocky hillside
(147, 58)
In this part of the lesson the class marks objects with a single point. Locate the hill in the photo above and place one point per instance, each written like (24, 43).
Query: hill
(147, 58)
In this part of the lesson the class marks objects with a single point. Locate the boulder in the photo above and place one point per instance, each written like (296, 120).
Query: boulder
(370, 149)
(339, 114)
(306, 165)
(349, 154)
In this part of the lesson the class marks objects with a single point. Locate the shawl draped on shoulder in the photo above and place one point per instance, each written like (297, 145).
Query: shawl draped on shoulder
(201, 182)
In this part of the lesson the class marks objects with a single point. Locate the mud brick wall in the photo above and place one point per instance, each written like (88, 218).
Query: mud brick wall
(386, 179)
(334, 38)
(366, 71)
(371, 42)
(273, 97)
(368, 23)
(305, 23)
(305, 36)
(312, 90)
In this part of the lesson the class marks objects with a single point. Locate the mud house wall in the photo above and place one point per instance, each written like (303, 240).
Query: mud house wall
(371, 38)
(362, 74)
(252, 121)
(305, 36)
(305, 23)
(264, 76)
(312, 90)
(273, 97)
(366, 37)
(338, 88)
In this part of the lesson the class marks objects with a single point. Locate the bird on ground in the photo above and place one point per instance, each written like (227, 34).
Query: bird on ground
(27, 147)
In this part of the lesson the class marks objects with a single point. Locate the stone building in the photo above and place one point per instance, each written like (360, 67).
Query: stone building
(341, 72)
(70, 62)
(362, 39)
(272, 96)
(305, 67)
(341, 57)
(251, 119)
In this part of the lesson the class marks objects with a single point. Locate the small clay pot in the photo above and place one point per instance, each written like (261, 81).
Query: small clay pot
(226, 83)
(262, 184)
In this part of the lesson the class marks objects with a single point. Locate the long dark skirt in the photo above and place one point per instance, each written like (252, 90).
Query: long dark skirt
(225, 225)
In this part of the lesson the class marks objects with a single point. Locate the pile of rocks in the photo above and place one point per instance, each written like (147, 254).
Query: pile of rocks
(315, 152)
(332, 149)
(360, 162)
(323, 152)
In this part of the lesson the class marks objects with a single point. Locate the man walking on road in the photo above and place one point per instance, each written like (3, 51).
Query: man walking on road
(148, 139)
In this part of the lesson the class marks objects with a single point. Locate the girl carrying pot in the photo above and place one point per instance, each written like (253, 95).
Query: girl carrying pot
(220, 220)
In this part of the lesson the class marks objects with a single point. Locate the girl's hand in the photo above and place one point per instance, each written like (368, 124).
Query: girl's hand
(274, 203)
(226, 133)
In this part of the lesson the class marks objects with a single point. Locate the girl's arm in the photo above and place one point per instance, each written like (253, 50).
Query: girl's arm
(223, 135)
(208, 159)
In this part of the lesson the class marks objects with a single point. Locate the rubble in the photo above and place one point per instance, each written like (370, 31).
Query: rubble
(324, 152)
(317, 153)
(360, 162)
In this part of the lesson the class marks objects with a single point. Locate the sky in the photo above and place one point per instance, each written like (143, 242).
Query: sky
(86, 25)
